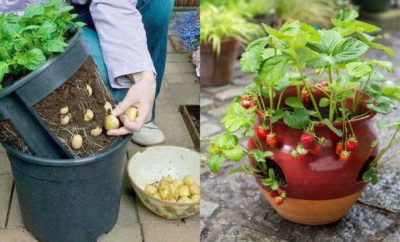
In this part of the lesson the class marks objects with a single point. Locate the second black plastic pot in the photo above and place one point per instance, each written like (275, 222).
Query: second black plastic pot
(69, 200)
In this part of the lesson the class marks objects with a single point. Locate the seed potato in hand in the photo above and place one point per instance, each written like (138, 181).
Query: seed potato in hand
(174, 190)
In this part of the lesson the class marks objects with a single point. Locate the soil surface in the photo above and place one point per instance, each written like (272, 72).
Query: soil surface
(9, 136)
(75, 95)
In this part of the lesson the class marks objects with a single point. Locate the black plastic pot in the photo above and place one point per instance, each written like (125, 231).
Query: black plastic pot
(373, 5)
(17, 100)
(69, 200)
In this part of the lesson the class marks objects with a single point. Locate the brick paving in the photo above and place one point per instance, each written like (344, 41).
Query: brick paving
(135, 223)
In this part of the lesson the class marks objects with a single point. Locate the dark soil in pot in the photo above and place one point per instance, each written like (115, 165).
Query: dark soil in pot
(74, 95)
(9, 136)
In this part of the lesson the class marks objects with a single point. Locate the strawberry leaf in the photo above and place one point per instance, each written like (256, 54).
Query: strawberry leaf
(297, 119)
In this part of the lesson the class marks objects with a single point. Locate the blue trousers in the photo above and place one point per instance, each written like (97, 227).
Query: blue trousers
(155, 17)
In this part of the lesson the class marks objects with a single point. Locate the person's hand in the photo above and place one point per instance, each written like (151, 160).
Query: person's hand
(141, 95)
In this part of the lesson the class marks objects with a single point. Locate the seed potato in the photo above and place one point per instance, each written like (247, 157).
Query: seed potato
(189, 180)
(64, 110)
(96, 132)
(65, 120)
(178, 183)
(194, 189)
(111, 122)
(76, 141)
(171, 190)
(107, 106)
(89, 90)
(131, 113)
(151, 189)
(89, 115)
(184, 191)
(165, 191)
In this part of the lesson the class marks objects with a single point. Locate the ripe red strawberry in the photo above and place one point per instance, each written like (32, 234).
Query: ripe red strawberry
(344, 155)
(262, 132)
(351, 144)
(244, 97)
(339, 148)
(305, 99)
(260, 113)
(272, 139)
(307, 140)
(247, 104)
(274, 193)
(279, 200)
(316, 150)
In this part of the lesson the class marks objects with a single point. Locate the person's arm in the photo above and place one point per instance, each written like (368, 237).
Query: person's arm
(122, 37)
(124, 46)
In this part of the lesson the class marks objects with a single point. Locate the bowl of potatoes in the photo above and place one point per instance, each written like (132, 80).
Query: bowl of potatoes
(167, 180)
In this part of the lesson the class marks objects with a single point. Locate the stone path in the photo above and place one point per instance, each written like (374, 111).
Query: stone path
(234, 210)
(135, 223)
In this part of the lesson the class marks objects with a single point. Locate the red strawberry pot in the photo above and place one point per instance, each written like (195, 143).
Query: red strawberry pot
(320, 187)
(308, 117)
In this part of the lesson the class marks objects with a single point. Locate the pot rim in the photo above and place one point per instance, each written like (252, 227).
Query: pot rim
(25, 79)
(67, 162)
(208, 47)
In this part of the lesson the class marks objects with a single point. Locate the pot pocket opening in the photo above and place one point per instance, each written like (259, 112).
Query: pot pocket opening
(279, 175)
(364, 168)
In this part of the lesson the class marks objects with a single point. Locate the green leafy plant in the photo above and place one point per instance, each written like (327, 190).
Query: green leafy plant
(27, 41)
(339, 71)
(218, 24)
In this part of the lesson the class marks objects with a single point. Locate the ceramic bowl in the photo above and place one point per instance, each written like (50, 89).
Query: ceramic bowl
(160, 161)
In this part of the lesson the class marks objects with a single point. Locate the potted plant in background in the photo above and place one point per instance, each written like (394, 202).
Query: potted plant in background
(308, 117)
(221, 31)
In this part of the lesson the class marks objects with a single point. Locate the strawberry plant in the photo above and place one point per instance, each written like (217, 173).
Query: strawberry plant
(332, 85)
(28, 41)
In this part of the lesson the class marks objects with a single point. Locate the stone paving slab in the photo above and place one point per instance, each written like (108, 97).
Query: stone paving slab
(184, 232)
(182, 78)
(5, 167)
(5, 190)
(185, 93)
(16, 235)
(15, 218)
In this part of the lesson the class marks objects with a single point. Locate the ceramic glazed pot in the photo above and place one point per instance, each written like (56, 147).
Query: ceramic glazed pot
(218, 70)
(320, 188)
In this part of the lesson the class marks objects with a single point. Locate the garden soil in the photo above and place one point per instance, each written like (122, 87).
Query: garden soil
(73, 94)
